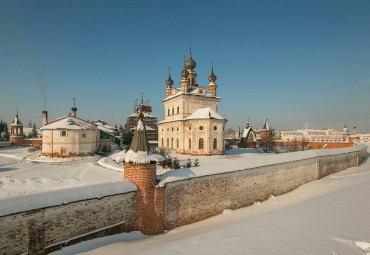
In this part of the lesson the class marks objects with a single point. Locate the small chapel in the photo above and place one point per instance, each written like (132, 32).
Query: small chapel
(192, 124)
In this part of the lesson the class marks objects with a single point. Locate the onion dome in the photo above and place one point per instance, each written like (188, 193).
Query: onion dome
(184, 73)
(169, 81)
(190, 63)
(212, 77)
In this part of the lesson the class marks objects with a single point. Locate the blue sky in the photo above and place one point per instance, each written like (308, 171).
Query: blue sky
(298, 63)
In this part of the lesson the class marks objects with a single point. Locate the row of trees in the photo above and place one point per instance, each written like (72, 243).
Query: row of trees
(4, 131)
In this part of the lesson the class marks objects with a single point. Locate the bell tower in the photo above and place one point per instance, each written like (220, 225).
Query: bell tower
(16, 132)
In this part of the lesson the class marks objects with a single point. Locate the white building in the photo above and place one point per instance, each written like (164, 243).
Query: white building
(192, 124)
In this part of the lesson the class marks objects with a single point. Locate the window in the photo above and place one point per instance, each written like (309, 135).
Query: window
(215, 127)
(177, 143)
(63, 133)
(168, 112)
(189, 143)
(189, 128)
(168, 142)
(200, 91)
(201, 143)
(177, 129)
(172, 128)
(215, 144)
(83, 135)
(178, 109)
(201, 128)
(162, 130)
(173, 110)
(168, 129)
(172, 142)
(162, 142)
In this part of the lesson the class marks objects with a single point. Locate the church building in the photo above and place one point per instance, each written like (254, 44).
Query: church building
(192, 124)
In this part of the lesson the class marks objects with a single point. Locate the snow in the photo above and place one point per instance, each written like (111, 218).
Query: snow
(327, 216)
(140, 126)
(65, 196)
(239, 159)
(68, 123)
(23, 173)
(140, 157)
(205, 113)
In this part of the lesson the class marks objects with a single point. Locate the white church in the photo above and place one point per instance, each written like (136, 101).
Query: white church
(192, 124)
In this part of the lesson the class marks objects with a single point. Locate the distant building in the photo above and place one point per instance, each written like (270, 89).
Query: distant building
(248, 138)
(16, 132)
(110, 139)
(192, 124)
(149, 120)
(70, 136)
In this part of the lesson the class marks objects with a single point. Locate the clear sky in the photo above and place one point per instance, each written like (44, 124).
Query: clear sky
(301, 64)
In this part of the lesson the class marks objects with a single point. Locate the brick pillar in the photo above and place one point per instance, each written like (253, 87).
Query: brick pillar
(150, 219)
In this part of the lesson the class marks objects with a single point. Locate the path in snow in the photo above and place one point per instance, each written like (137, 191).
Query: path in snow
(327, 216)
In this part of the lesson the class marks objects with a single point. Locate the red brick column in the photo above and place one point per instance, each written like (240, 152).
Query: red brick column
(150, 219)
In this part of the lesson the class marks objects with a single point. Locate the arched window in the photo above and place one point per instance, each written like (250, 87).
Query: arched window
(172, 142)
(173, 110)
(215, 144)
(168, 142)
(63, 133)
(177, 143)
(189, 143)
(168, 112)
(201, 143)
(178, 109)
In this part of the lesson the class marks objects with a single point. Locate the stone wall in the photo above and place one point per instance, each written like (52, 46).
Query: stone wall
(195, 199)
(151, 209)
(44, 230)
(5, 144)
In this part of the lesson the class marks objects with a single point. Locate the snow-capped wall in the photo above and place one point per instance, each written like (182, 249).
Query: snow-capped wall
(205, 196)
(40, 223)
(43, 222)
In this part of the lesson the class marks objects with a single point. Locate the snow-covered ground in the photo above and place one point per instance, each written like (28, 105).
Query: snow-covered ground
(23, 172)
(327, 216)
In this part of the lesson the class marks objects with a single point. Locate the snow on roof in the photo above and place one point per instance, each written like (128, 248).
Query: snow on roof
(28, 130)
(146, 115)
(68, 122)
(140, 157)
(205, 113)
(64, 196)
(140, 125)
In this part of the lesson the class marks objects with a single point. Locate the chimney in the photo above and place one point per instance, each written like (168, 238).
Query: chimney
(44, 118)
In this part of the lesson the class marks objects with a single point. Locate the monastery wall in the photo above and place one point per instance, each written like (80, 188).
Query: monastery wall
(195, 199)
(5, 144)
(47, 229)
(41, 229)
